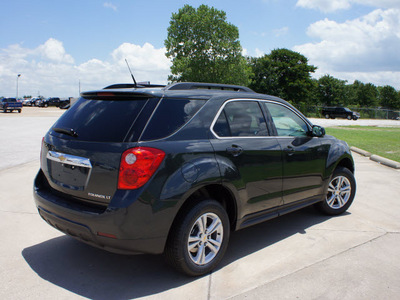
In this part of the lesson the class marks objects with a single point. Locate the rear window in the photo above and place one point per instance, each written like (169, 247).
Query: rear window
(171, 115)
(101, 120)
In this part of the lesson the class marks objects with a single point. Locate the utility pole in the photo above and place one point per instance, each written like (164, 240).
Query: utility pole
(18, 76)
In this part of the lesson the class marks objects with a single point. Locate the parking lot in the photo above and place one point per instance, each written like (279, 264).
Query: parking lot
(302, 255)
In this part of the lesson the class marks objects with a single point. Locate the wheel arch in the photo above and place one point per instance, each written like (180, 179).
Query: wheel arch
(346, 163)
(216, 192)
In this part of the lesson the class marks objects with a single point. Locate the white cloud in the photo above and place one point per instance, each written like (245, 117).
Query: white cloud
(281, 31)
(259, 53)
(48, 69)
(110, 5)
(256, 53)
(366, 45)
(328, 6)
(144, 57)
(53, 50)
(324, 5)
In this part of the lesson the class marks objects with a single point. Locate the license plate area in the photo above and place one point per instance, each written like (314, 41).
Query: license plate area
(69, 171)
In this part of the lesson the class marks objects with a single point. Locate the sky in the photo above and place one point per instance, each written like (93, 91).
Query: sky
(61, 47)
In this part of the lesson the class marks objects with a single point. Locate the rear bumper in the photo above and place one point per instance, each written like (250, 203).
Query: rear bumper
(85, 234)
(127, 230)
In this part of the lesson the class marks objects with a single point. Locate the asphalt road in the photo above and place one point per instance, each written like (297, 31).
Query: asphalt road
(302, 255)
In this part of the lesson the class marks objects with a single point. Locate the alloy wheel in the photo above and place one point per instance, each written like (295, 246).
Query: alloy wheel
(205, 239)
(339, 192)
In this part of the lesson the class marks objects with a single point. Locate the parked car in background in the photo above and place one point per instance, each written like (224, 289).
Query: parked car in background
(340, 112)
(52, 101)
(64, 103)
(38, 101)
(32, 101)
(10, 104)
(175, 169)
(27, 102)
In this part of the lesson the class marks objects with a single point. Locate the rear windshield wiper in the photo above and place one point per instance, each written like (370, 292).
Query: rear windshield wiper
(66, 131)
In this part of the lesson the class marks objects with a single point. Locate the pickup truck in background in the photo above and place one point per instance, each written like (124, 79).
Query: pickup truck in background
(10, 104)
(340, 112)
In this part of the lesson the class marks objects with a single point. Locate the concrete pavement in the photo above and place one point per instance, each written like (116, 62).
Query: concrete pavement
(302, 255)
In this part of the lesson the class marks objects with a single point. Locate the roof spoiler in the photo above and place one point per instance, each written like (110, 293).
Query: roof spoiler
(132, 85)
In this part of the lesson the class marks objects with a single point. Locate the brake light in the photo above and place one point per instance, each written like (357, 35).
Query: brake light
(105, 94)
(137, 166)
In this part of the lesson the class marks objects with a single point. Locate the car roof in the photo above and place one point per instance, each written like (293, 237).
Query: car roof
(182, 90)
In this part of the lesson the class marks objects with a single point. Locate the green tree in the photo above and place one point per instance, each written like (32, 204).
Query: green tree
(263, 78)
(284, 73)
(389, 97)
(367, 95)
(204, 47)
(331, 91)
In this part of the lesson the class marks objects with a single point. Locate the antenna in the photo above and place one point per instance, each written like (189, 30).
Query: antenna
(134, 81)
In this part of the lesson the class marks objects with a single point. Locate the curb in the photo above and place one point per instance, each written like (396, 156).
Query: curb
(360, 151)
(379, 159)
(385, 161)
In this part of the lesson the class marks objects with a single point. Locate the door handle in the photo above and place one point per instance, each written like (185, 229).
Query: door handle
(234, 150)
(290, 150)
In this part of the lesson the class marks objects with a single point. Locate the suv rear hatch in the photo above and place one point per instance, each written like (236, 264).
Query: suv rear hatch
(82, 151)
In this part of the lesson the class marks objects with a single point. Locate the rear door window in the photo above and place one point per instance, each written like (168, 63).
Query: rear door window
(241, 118)
(101, 120)
(170, 115)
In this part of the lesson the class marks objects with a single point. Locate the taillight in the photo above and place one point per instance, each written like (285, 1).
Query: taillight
(137, 167)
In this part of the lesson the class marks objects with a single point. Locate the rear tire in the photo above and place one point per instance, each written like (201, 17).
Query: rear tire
(198, 239)
(340, 193)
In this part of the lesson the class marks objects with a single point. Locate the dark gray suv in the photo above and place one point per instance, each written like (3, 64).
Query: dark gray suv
(175, 169)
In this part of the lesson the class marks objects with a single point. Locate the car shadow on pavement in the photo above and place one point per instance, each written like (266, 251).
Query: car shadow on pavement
(254, 238)
(97, 274)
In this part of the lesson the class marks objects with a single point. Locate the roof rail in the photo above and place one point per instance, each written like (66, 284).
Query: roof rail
(209, 86)
(132, 85)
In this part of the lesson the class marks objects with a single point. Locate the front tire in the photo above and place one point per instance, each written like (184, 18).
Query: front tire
(199, 238)
(340, 194)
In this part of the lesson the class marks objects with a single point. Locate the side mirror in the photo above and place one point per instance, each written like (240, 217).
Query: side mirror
(318, 131)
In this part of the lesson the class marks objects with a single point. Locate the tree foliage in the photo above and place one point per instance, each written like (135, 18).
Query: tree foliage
(284, 73)
(366, 94)
(331, 91)
(389, 97)
(204, 47)
(264, 79)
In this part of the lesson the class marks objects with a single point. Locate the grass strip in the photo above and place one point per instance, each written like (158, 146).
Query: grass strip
(383, 141)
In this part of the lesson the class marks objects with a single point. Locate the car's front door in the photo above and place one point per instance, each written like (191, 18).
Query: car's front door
(249, 159)
(304, 156)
